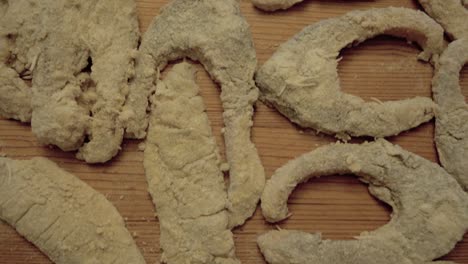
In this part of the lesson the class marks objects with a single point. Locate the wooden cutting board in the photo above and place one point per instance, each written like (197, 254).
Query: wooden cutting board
(338, 207)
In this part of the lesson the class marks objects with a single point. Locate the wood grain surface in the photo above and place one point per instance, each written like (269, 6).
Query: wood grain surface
(339, 207)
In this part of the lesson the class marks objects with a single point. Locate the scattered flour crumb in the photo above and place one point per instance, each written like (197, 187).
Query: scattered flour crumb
(225, 167)
(142, 146)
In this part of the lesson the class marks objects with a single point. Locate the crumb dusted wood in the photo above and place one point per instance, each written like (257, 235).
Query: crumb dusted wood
(339, 207)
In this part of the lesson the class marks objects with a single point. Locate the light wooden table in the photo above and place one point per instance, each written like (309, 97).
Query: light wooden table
(339, 207)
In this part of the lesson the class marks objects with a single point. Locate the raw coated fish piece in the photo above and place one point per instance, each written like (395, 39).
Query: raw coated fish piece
(451, 133)
(216, 34)
(65, 218)
(301, 79)
(430, 209)
(182, 165)
(451, 14)
(78, 55)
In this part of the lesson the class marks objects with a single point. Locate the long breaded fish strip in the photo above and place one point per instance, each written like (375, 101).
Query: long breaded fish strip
(182, 165)
(65, 218)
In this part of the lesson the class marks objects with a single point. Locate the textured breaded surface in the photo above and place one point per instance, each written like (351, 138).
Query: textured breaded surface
(182, 166)
(430, 209)
(215, 33)
(301, 78)
(451, 14)
(451, 134)
(55, 43)
(65, 218)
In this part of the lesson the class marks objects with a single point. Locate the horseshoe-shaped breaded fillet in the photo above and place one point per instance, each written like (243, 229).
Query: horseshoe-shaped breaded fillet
(54, 41)
(451, 14)
(451, 134)
(182, 165)
(273, 5)
(301, 79)
(65, 218)
(430, 210)
(215, 33)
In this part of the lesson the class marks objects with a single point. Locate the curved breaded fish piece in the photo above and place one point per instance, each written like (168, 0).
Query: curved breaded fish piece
(273, 5)
(451, 134)
(301, 78)
(451, 14)
(54, 43)
(65, 218)
(182, 165)
(428, 205)
(216, 34)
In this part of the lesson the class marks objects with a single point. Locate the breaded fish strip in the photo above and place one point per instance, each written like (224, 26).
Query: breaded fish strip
(182, 166)
(301, 79)
(65, 218)
(451, 14)
(430, 209)
(79, 55)
(216, 34)
(451, 134)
